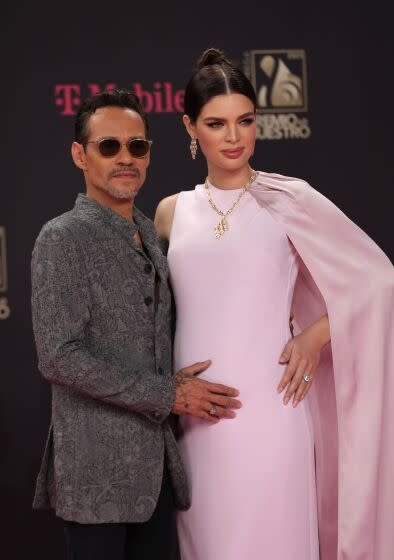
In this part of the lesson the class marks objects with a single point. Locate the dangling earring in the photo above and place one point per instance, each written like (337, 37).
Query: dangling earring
(193, 148)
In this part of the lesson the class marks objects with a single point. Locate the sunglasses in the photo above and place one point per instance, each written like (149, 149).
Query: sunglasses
(109, 147)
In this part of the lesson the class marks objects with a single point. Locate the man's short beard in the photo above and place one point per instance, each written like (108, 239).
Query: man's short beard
(128, 194)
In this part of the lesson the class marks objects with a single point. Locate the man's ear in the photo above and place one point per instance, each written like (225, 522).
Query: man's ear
(190, 127)
(78, 155)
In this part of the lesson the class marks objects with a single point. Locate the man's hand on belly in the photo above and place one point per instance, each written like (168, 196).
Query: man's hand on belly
(203, 399)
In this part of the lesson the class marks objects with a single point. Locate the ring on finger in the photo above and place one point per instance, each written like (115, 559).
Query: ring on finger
(307, 377)
(212, 411)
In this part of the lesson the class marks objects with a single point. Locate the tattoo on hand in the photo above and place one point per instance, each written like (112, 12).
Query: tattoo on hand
(180, 379)
(183, 396)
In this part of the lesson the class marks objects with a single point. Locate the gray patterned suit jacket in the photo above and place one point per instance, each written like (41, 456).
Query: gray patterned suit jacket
(101, 318)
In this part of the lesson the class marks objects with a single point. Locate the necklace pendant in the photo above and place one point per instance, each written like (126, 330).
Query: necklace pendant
(221, 228)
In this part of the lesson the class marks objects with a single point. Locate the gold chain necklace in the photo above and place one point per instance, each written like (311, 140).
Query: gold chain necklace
(223, 226)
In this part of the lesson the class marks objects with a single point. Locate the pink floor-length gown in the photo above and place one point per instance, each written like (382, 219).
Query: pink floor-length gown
(252, 478)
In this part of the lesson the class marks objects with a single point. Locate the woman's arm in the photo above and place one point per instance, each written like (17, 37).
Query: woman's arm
(302, 355)
(164, 216)
(320, 331)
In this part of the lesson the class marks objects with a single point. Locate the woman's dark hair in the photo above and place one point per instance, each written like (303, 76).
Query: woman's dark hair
(215, 75)
(110, 98)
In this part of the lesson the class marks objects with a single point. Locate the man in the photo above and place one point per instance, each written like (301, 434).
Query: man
(101, 315)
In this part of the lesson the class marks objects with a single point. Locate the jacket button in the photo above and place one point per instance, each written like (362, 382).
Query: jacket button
(160, 370)
(148, 300)
(148, 268)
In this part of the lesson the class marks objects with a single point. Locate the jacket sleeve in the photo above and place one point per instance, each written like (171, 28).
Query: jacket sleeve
(61, 313)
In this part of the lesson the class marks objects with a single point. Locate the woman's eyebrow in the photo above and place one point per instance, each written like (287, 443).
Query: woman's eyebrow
(243, 116)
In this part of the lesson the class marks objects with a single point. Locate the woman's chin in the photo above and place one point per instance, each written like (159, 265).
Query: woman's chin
(234, 164)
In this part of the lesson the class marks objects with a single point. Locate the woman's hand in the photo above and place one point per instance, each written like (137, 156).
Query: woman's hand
(302, 355)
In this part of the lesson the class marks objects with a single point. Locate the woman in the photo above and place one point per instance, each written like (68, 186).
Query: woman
(246, 251)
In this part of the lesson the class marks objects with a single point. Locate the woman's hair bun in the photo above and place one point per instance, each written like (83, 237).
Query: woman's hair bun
(210, 57)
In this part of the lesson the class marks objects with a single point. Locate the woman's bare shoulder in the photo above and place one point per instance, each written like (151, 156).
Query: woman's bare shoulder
(164, 216)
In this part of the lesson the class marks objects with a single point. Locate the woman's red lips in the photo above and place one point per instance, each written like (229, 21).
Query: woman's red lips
(234, 153)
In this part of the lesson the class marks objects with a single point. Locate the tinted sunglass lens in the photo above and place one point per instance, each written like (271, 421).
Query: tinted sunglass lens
(138, 147)
(109, 147)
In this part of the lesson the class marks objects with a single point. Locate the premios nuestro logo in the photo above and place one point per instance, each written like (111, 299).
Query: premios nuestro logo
(4, 308)
(280, 80)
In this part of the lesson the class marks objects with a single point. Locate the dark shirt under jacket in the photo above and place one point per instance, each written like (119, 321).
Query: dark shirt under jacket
(101, 317)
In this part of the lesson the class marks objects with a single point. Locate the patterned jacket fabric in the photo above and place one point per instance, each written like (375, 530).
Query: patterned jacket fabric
(102, 323)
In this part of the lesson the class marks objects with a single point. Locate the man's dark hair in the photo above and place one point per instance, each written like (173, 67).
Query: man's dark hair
(110, 98)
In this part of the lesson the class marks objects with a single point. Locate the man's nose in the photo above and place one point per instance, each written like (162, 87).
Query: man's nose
(124, 156)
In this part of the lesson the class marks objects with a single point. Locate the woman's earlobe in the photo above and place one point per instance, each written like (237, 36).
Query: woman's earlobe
(188, 125)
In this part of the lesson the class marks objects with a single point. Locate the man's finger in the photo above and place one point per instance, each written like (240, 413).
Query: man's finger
(221, 389)
(219, 411)
(225, 402)
(196, 368)
(209, 417)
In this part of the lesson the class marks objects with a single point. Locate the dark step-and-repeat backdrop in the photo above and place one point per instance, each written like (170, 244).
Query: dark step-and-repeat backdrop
(324, 83)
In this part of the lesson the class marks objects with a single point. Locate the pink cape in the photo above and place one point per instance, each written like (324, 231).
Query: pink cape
(346, 275)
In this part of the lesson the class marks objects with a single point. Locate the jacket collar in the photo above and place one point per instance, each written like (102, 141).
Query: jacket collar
(92, 211)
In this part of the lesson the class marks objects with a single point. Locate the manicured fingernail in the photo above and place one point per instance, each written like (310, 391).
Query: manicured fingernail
(295, 403)
(280, 389)
(286, 400)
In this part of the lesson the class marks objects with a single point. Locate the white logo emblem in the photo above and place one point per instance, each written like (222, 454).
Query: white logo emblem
(279, 79)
